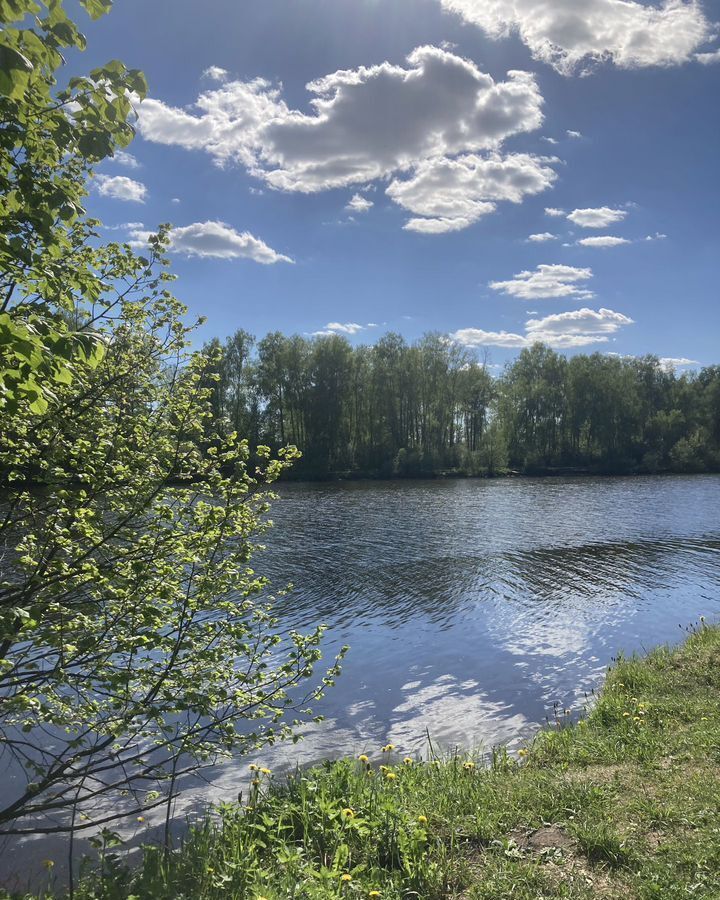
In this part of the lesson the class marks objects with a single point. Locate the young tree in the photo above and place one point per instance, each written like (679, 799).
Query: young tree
(135, 643)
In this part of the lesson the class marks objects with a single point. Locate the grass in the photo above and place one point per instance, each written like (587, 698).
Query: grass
(622, 804)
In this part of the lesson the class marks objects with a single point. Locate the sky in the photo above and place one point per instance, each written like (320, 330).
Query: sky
(502, 171)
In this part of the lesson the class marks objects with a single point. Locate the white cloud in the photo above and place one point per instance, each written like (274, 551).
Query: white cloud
(658, 236)
(426, 120)
(550, 140)
(215, 73)
(568, 33)
(670, 363)
(175, 200)
(708, 59)
(359, 204)
(541, 237)
(215, 240)
(451, 194)
(578, 328)
(554, 211)
(546, 281)
(605, 240)
(125, 159)
(342, 328)
(596, 217)
(573, 134)
(121, 188)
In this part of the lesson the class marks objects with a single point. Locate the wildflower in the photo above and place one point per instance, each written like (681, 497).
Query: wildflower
(637, 719)
(255, 782)
(522, 752)
(388, 748)
(48, 863)
(625, 715)
(363, 758)
(346, 877)
(253, 767)
(374, 894)
(141, 818)
(348, 813)
(422, 820)
(266, 771)
(391, 776)
(408, 761)
(468, 766)
(384, 769)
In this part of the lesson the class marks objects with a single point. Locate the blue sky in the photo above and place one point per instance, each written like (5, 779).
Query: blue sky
(455, 125)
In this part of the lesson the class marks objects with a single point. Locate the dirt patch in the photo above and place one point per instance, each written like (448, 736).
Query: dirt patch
(549, 837)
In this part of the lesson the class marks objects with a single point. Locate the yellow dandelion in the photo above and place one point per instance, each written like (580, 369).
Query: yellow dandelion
(391, 776)
(141, 818)
(345, 877)
(253, 767)
(348, 813)
(637, 719)
(255, 782)
(388, 748)
(363, 758)
(408, 761)
(384, 769)
(522, 752)
(48, 863)
(468, 766)
(626, 715)
(266, 771)
(422, 820)
(374, 894)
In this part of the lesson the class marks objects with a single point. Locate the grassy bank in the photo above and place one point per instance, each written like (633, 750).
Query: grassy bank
(624, 803)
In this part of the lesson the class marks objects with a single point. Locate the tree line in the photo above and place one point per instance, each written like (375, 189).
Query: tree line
(418, 409)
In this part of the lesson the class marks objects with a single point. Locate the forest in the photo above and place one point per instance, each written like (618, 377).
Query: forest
(399, 409)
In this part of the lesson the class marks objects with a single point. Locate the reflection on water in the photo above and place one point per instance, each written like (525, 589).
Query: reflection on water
(472, 606)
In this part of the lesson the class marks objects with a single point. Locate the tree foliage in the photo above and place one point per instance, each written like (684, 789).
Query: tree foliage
(401, 409)
(136, 641)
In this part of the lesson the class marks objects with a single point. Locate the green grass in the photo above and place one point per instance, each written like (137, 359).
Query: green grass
(624, 804)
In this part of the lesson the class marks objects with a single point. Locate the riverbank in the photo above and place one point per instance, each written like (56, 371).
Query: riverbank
(621, 803)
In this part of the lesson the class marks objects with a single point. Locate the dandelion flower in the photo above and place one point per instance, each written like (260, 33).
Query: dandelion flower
(637, 719)
(48, 863)
(626, 715)
(141, 818)
(391, 776)
(363, 758)
(422, 820)
(408, 761)
(255, 782)
(374, 894)
(388, 748)
(468, 766)
(346, 877)
(348, 813)
(253, 767)
(522, 752)
(266, 771)
(384, 769)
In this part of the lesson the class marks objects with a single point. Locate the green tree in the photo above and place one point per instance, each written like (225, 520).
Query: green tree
(136, 643)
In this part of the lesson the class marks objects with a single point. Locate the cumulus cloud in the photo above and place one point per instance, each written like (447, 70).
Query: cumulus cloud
(573, 134)
(215, 73)
(547, 281)
(451, 194)
(119, 187)
(421, 123)
(359, 204)
(563, 331)
(605, 240)
(125, 159)
(214, 240)
(554, 212)
(596, 217)
(541, 237)
(569, 33)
